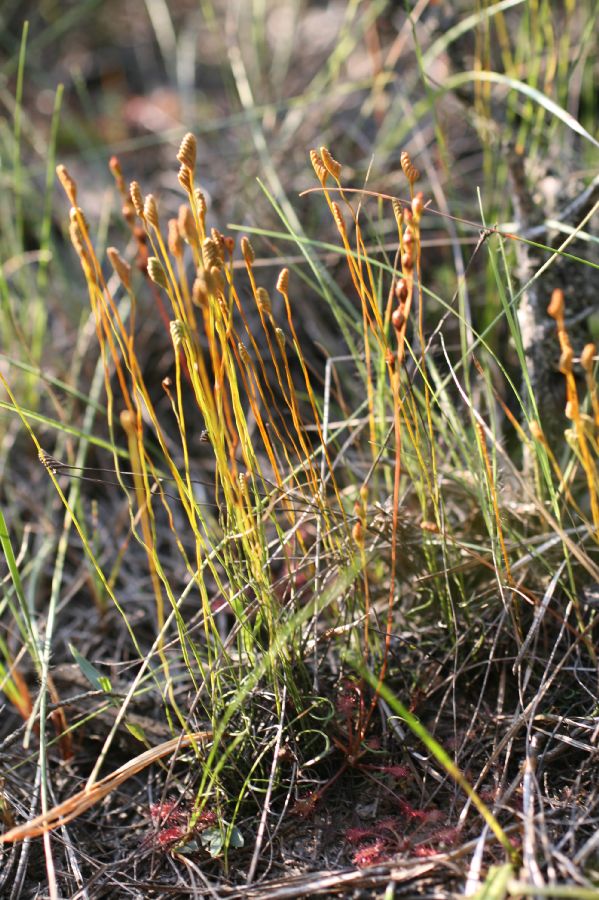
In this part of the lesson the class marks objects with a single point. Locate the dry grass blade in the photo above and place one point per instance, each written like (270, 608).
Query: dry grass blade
(77, 804)
(320, 882)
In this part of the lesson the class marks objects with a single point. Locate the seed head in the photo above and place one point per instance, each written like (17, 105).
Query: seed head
(210, 253)
(565, 360)
(319, 166)
(358, 533)
(156, 272)
(587, 357)
(247, 251)
(185, 178)
(77, 215)
(338, 217)
(398, 320)
(219, 240)
(556, 306)
(76, 239)
(263, 301)
(201, 203)
(70, 188)
(128, 421)
(151, 211)
(401, 290)
(283, 281)
(202, 207)
(115, 167)
(177, 329)
(245, 356)
(137, 198)
(418, 206)
(117, 173)
(82, 252)
(49, 462)
(409, 169)
(280, 336)
(331, 165)
(187, 151)
(122, 268)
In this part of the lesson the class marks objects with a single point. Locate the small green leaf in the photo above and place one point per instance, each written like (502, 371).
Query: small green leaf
(137, 732)
(96, 679)
(188, 848)
(236, 838)
(212, 840)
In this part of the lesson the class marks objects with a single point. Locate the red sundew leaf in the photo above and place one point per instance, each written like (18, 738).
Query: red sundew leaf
(396, 771)
(168, 837)
(305, 806)
(346, 704)
(447, 836)
(370, 855)
(169, 812)
(425, 851)
(409, 811)
(434, 815)
(418, 815)
(355, 835)
(206, 819)
(391, 824)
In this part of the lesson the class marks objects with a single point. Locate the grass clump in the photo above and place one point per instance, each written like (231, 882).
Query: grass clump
(303, 563)
(353, 609)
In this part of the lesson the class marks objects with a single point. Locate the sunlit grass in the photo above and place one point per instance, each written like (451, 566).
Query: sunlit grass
(299, 556)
